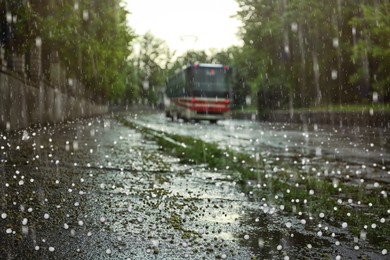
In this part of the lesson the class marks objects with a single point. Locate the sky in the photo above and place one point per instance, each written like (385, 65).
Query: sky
(184, 24)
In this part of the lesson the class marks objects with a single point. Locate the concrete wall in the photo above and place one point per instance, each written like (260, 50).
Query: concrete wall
(23, 104)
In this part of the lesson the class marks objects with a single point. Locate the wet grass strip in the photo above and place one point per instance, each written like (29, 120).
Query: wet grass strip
(354, 208)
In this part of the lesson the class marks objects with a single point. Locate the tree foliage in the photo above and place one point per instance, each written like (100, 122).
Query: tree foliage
(315, 52)
(89, 37)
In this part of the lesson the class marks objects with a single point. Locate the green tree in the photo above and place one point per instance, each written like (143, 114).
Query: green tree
(372, 49)
(152, 60)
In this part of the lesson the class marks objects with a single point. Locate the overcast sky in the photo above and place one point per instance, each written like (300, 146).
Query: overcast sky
(184, 24)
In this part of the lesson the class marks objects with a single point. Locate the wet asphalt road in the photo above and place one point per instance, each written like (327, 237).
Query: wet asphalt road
(365, 150)
(94, 189)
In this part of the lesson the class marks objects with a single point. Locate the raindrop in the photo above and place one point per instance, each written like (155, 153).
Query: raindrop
(260, 242)
(336, 42)
(371, 111)
(38, 41)
(363, 235)
(375, 96)
(294, 27)
(85, 15)
(155, 242)
(334, 74)
(75, 145)
(9, 17)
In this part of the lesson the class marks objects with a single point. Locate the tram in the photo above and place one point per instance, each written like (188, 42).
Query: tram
(199, 92)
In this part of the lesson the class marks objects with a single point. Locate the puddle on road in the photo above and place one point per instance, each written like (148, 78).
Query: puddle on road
(101, 191)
